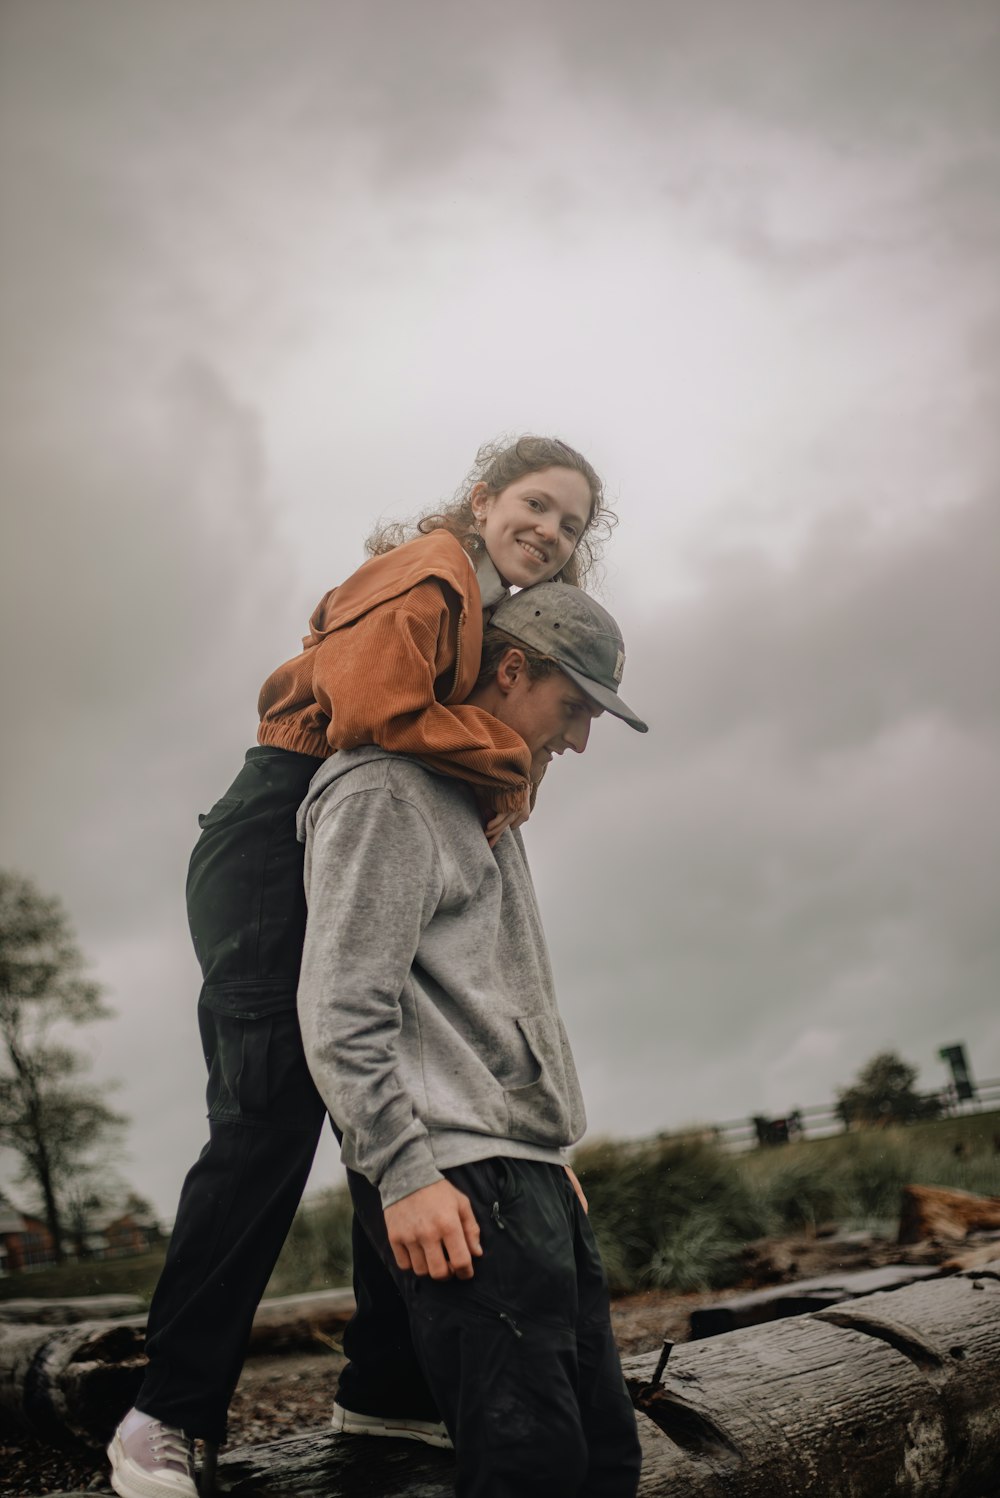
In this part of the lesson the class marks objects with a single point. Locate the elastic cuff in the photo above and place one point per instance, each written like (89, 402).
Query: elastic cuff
(411, 1170)
(502, 802)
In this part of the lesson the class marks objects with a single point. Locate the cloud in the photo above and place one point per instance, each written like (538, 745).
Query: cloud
(861, 632)
(269, 276)
(805, 844)
(145, 585)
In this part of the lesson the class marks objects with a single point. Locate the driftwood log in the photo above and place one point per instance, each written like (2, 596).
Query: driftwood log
(972, 1258)
(894, 1394)
(801, 1296)
(940, 1212)
(73, 1377)
(297, 1321)
(35, 1311)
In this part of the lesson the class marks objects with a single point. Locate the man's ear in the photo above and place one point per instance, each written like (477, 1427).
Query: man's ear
(512, 668)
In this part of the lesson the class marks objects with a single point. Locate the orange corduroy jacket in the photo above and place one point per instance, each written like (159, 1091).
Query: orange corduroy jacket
(390, 656)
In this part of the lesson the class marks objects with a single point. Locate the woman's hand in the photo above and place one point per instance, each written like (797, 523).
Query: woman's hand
(576, 1186)
(497, 826)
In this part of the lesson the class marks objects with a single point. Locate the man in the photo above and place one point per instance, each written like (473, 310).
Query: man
(431, 1029)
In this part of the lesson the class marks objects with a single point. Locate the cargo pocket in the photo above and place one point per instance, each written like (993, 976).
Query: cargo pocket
(222, 812)
(505, 1382)
(257, 1070)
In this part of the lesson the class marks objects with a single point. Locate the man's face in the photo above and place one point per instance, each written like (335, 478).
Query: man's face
(551, 715)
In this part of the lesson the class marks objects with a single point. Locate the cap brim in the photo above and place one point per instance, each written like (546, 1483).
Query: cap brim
(606, 699)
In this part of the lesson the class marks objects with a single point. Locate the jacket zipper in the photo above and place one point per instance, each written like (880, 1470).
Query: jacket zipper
(486, 1306)
(456, 678)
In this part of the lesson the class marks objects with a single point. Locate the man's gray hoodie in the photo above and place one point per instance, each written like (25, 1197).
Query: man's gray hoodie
(426, 998)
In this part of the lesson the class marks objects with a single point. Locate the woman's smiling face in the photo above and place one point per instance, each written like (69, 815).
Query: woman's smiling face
(531, 528)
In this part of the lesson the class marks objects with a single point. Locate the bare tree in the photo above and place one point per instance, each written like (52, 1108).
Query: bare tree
(48, 1116)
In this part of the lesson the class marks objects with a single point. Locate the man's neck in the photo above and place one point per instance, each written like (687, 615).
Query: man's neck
(489, 698)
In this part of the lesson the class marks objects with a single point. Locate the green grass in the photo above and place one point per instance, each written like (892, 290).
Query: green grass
(316, 1256)
(856, 1178)
(132, 1276)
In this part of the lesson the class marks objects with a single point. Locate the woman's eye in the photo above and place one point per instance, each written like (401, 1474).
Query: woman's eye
(570, 529)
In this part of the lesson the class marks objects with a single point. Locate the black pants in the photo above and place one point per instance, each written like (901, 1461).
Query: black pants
(246, 907)
(521, 1358)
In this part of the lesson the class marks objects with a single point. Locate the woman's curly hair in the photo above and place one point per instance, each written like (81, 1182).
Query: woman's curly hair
(498, 464)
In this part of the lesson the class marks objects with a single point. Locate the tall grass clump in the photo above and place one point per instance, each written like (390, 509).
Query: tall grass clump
(317, 1251)
(856, 1179)
(793, 1194)
(671, 1214)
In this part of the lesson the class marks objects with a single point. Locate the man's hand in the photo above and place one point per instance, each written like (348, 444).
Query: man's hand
(434, 1231)
(576, 1186)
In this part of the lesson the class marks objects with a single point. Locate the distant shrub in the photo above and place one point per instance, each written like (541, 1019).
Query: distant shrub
(317, 1251)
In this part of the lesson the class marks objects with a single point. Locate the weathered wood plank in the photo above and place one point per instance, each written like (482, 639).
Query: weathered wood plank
(801, 1297)
(293, 1320)
(34, 1311)
(286, 1321)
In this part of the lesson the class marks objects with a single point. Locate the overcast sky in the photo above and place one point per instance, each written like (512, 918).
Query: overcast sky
(273, 269)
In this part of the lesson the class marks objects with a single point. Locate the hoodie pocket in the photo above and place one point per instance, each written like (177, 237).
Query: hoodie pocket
(548, 1110)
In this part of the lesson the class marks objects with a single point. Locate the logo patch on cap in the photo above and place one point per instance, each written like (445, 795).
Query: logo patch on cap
(619, 667)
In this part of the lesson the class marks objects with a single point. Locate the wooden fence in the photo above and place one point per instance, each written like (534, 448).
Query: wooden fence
(825, 1119)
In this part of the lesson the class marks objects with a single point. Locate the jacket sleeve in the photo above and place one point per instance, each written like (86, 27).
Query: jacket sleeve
(375, 680)
(373, 879)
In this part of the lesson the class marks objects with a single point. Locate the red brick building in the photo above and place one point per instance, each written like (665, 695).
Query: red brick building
(25, 1242)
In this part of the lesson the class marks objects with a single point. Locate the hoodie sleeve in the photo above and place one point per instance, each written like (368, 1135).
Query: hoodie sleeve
(373, 880)
(375, 679)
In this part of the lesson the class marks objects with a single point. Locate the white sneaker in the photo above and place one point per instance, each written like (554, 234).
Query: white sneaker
(151, 1460)
(431, 1432)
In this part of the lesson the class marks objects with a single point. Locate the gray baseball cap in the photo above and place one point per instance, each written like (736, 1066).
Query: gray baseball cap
(562, 622)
